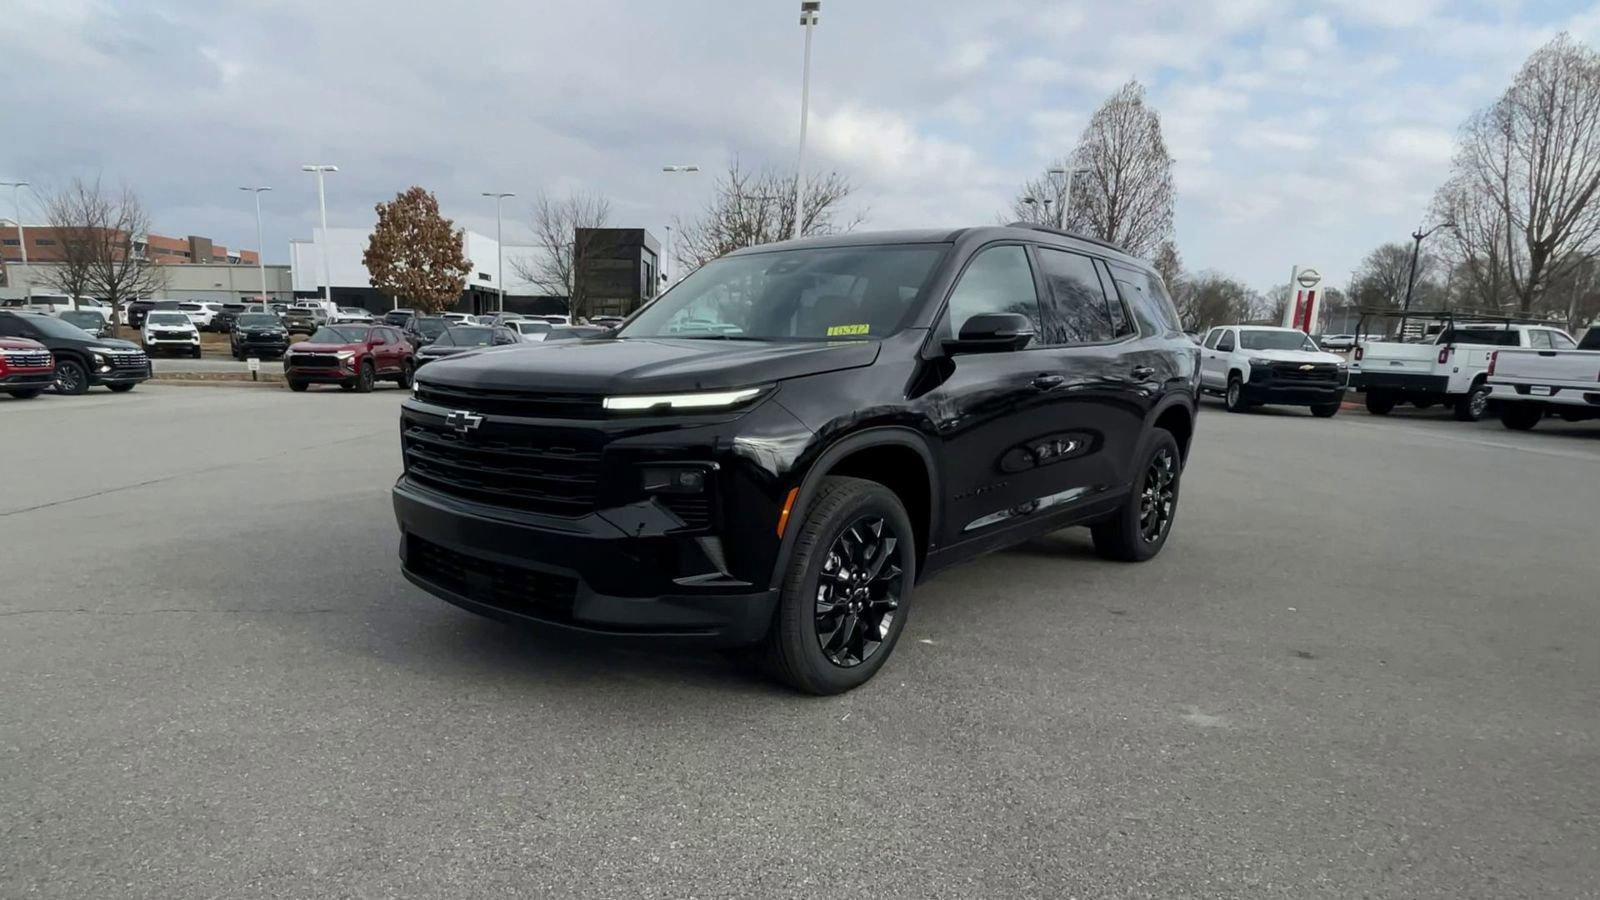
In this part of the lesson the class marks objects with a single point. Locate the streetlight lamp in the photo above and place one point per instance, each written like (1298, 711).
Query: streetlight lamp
(499, 250)
(16, 205)
(809, 10)
(674, 170)
(1036, 202)
(1417, 238)
(261, 262)
(322, 201)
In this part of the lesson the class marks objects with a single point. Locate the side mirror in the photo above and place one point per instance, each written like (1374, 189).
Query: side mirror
(992, 333)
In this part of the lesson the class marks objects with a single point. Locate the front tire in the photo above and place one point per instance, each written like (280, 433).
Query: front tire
(1472, 407)
(1139, 530)
(28, 394)
(297, 386)
(1325, 410)
(1520, 416)
(1234, 398)
(406, 374)
(71, 378)
(364, 379)
(120, 388)
(1380, 403)
(846, 590)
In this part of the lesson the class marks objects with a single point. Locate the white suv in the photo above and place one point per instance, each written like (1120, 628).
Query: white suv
(170, 332)
(1251, 364)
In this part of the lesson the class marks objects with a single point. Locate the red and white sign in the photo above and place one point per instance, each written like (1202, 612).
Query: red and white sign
(1305, 299)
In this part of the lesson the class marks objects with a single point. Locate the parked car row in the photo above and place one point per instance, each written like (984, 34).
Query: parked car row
(79, 360)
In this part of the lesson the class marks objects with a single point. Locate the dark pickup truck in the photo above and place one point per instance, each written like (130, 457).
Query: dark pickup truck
(779, 449)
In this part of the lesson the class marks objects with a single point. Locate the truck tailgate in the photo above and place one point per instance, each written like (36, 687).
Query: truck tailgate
(1578, 368)
(1401, 359)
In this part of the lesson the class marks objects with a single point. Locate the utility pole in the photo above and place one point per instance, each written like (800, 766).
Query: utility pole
(499, 250)
(16, 207)
(261, 250)
(808, 18)
(322, 202)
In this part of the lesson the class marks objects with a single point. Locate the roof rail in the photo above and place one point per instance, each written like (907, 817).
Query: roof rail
(1071, 234)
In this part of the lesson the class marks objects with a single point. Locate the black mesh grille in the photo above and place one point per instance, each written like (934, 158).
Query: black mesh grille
(526, 592)
(693, 509)
(1300, 372)
(314, 361)
(513, 403)
(544, 470)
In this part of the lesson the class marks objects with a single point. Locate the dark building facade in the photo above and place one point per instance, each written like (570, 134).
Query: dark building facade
(615, 269)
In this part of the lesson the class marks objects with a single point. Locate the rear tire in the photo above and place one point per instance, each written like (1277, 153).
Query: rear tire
(1472, 407)
(1380, 403)
(28, 394)
(1520, 416)
(1139, 530)
(819, 588)
(1325, 410)
(406, 374)
(1234, 398)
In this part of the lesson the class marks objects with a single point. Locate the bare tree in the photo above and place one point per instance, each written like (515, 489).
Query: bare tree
(1535, 156)
(1380, 281)
(78, 214)
(1121, 187)
(1169, 265)
(99, 239)
(556, 223)
(1476, 248)
(1220, 300)
(749, 208)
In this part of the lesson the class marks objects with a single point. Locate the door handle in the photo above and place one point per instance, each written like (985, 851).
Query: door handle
(1049, 382)
(1143, 373)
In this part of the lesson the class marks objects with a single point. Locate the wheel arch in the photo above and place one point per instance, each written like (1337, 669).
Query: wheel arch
(898, 458)
(1177, 417)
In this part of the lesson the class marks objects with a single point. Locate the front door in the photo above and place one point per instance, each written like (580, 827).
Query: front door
(1214, 358)
(998, 413)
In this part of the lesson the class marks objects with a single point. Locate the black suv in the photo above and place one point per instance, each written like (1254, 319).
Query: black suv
(261, 335)
(778, 449)
(82, 360)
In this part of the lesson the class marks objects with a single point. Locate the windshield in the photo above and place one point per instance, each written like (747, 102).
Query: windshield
(469, 336)
(1275, 340)
(168, 319)
(340, 334)
(80, 318)
(56, 328)
(432, 327)
(813, 294)
(257, 320)
(531, 327)
(1490, 337)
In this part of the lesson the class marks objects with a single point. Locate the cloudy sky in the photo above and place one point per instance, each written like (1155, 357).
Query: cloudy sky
(1302, 131)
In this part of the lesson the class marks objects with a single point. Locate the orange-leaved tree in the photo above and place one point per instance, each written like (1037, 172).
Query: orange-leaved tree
(416, 255)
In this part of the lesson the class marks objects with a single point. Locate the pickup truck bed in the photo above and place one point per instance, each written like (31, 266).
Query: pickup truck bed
(1530, 384)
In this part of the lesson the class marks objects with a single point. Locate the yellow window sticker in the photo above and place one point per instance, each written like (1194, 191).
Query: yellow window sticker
(840, 330)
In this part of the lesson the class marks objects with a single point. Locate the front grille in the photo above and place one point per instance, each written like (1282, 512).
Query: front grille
(513, 403)
(514, 589)
(180, 336)
(28, 359)
(1294, 372)
(313, 361)
(554, 471)
(129, 361)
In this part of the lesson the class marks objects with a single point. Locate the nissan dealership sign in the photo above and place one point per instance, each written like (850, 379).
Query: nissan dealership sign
(1305, 302)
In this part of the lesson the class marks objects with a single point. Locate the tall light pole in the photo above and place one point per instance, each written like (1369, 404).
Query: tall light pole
(808, 17)
(1065, 209)
(261, 261)
(16, 207)
(499, 250)
(1417, 237)
(322, 201)
(674, 170)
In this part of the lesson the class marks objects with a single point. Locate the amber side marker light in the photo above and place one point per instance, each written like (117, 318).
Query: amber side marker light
(788, 504)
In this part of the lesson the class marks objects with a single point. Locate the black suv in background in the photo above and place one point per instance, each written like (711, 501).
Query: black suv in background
(261, 335)
(82, 360)
(777, 450)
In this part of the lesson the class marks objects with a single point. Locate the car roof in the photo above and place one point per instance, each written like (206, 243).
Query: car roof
(1263, 328)
(981, 234)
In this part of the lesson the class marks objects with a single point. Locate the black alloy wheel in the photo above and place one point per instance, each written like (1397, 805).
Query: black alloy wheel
(364, 378)
(70, 377)
(1159, 497)
(858, 594)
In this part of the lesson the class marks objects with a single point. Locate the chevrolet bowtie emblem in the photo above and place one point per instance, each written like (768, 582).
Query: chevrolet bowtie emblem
(463, 421)
(1307, 368)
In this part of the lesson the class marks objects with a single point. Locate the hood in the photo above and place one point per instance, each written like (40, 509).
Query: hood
(436, 350)
(308, 347)
(11, 343)
(649, 365)
(114, 344)
(1299, 356)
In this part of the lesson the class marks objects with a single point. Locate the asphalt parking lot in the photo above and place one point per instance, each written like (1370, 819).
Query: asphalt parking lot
(1366, 664)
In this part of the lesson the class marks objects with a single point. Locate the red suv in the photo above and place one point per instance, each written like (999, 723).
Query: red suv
(351, 356)
(26, 367)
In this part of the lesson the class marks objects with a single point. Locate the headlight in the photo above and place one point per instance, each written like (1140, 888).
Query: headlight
(99, 358)
(346, 355)
(1257, 361)
(701, 400)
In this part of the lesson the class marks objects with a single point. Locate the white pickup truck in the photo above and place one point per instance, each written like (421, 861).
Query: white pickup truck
(1452, 368)
(1532, 383)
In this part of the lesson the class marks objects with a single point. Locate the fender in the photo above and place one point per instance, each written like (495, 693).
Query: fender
(1175, 398)
(888, 435)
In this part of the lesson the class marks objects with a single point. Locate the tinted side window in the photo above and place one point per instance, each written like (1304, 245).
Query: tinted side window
(1148, 298)
(10, 327)
(1211, 339)
(1560, 341)
(997, 280)
(1539, 339)
(1080, 313)
(1225, 343)
(1120, 323)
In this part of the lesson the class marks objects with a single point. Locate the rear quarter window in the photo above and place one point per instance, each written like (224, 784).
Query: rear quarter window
(1147, 298)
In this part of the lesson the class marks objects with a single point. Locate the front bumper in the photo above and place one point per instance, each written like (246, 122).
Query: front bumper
(1293, 394)
(320, 374)
(582, 574)
(26, 380)
(1400, 382)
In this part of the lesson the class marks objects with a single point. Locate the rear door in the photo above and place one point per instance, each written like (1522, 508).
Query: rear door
(1213, 372)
